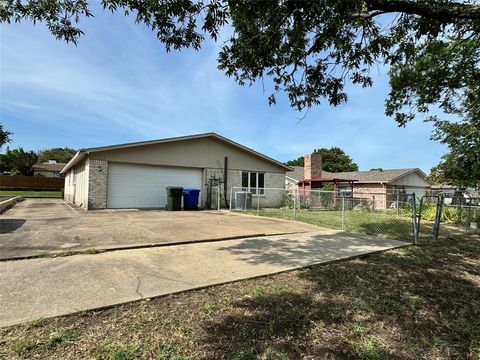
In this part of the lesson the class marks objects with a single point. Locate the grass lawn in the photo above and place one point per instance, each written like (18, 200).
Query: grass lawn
(32, 194)
(387, 224)
(420, 302)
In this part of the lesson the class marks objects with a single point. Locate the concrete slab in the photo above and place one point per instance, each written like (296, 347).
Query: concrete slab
(47, 287)
(38, 226)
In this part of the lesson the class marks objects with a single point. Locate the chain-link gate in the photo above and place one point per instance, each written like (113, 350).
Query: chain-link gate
(430, 211)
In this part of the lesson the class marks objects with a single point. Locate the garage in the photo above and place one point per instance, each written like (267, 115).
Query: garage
(134, 175)
(143, 186)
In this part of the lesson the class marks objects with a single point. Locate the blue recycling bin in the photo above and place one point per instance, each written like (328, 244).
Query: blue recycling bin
(190, 199)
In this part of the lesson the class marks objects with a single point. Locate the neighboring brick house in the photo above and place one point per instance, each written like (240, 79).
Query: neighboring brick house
(135, 175)
(48, 169)
(386, 184)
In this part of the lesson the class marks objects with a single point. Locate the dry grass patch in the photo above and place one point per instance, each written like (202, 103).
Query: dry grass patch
(411, 303)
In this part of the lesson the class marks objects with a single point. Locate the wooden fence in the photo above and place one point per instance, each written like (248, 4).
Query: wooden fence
(31, 182)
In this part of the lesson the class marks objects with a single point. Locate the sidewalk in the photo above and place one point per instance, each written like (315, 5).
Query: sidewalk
(47, 287)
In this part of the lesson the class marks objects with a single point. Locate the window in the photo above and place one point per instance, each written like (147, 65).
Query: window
(345, 191)
(253, 182)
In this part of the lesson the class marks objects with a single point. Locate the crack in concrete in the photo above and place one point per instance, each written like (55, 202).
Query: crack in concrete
(139, 283)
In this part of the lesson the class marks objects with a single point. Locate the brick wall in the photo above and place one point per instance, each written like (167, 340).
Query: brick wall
(369, 191)
(312, 166)
(97, 191)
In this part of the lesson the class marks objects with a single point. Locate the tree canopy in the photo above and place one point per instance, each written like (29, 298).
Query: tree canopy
(310, 50)
(4, 135)
(333, 160)
(461, 165)
(60, 155)
(18, 161)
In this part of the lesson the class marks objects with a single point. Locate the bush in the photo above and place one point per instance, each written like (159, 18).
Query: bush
(450, 214)
(287, 201)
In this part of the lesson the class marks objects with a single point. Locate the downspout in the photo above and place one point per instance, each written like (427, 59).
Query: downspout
(225, 181)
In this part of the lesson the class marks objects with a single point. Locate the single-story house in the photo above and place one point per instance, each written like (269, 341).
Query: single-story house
(48, 169)
(135, 175)
(386, 184)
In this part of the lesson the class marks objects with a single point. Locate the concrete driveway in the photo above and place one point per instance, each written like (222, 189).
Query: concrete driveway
(38, 226)
(37, 288)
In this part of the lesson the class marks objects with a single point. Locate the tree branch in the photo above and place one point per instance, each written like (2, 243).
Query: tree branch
(369, 15)
(445, 11)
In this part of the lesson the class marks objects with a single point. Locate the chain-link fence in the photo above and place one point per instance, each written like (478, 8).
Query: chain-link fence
(389, 214)
(378, 214)
(464, 213)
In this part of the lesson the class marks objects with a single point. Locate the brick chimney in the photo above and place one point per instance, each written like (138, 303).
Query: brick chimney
(312, 167)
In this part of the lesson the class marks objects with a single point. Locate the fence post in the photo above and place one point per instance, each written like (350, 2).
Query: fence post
(373, 203)
(343, 212)
(468, 220)
(438, 216)
(398, 203)
(419, 217)
(230, 203)
(295, 204)
(414, 219)
(218, 198)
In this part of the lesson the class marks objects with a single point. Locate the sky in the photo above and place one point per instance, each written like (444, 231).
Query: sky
(120, 85)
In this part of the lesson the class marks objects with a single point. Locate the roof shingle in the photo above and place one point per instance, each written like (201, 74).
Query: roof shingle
(48, 167)
(360, 176)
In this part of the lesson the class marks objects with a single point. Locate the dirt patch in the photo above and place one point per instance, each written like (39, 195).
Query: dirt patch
(412, 303)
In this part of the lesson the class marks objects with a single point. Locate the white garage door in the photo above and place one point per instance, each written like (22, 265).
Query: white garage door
(143, 186)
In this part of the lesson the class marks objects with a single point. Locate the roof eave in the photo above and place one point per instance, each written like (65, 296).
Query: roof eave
(416, 170)
(294, 180)
(182, 138)
(79, 156)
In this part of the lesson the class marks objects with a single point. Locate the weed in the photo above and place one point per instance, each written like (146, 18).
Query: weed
(115, 350)
(278, 288)
(245, 355)
(369, 348)
(211, 308)
(54, 340)
(257, 292)
(358, 330)
(272, 354)
(23, 346)
(338, 313)
(268, 354)
(169, 351)
(60, 338)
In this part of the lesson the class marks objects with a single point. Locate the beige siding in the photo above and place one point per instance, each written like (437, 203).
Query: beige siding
(411, 180)
(76, 184)
(68, 192)
(199, 153)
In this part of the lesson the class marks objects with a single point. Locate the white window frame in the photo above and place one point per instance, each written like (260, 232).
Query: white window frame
(257, 191)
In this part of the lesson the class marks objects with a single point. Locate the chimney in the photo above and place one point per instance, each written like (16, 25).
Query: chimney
(312, 167)
(52, 162)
